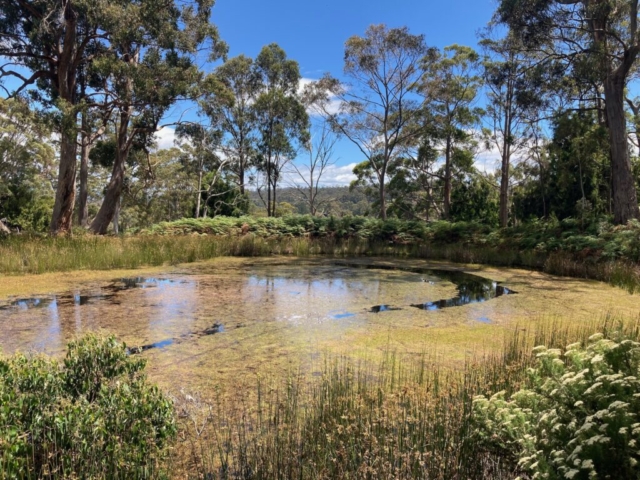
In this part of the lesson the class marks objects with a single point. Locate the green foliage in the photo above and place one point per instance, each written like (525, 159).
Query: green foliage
(336, 201)
(92, 416)
(474, 200)
(572, 178)
(578, 417)
(404, 418)
(600, 240)
(380, 111)
(26, 162)
(602, 251)
(282, 121)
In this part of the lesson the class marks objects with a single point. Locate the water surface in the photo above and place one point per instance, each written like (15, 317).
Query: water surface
(228, 318)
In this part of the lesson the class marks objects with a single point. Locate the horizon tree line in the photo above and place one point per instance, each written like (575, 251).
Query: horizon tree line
(103, 77)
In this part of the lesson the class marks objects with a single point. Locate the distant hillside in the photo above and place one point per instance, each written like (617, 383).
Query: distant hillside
(336, 201)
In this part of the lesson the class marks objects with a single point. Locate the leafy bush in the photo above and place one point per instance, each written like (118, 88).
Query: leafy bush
(579, 418)
(93, 415)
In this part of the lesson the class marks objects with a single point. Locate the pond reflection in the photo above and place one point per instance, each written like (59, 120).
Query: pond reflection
(309, 301)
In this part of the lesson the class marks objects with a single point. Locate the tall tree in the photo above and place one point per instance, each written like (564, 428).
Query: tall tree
(27, 162)
(320, 156)
(229, 99)
(199, 155)
(93, 125)
(508, 114)
(378, 106)
(281, 118)
(151, 67)
(595, 37)
(450, 85)
(45, 44)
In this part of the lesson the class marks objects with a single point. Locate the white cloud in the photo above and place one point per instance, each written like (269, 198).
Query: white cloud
(488, 160)
(333, 106)
(165, 138)
(333, 176)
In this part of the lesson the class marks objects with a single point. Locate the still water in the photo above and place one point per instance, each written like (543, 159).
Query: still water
(158, 312)
(218, 321)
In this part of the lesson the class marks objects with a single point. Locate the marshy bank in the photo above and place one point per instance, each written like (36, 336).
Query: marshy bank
(600, 252)
(304, 356)
(400, 417)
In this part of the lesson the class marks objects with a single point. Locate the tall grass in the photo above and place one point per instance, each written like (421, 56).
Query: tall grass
(402, 419)
(35, 255)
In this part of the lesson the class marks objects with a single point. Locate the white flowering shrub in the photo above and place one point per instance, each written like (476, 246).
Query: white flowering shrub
(578, 418)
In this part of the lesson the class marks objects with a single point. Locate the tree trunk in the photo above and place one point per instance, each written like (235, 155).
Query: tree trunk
(241, 176)
(275, 202)
(268, 189)
(383, 200)
(447, 179)
(199, 193)
(116, 218)
(66, 190)
(85, 149)
(506, 158)
(625, 200)
(241, 164)
(67, 71)
(504, 188)
(312, 208)
(109, 205)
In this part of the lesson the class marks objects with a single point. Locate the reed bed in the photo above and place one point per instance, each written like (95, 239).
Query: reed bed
(36, 255)
(400, 419)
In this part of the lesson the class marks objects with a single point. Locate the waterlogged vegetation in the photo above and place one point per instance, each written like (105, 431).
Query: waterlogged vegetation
(402, 417)
(598, 251)
(319, 361)
(414, 418)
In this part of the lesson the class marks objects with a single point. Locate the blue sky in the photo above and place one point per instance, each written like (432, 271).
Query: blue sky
(314, 33)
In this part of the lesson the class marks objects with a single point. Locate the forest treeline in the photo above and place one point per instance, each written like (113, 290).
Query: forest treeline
(547, 98)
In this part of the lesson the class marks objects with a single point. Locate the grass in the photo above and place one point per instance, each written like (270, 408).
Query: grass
(400, 419)
(37, 255)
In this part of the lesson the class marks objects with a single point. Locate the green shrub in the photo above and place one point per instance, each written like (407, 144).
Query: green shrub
(579, 418)
(93, 415)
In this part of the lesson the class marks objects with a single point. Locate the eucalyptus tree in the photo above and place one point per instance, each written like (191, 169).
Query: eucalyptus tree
(230, 94)
(45, 44)
(161, 191)
(450, 84)
(199, 155)
(511, 106)
(378, 106)
(48, 44)
(598, 38)
(151, 66)
(93, 126)
(281, 118)
(27, 162)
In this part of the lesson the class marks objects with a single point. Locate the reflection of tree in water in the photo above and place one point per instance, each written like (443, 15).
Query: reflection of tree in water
(155, 308)
(471, 289)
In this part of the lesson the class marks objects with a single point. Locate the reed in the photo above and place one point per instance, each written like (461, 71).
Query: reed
(36, 255)
(401, 419)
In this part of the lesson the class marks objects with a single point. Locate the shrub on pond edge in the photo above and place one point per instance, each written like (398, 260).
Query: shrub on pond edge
(91, 415)
(577, 418)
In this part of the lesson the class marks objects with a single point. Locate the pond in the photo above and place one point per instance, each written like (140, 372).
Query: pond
(203, 323)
